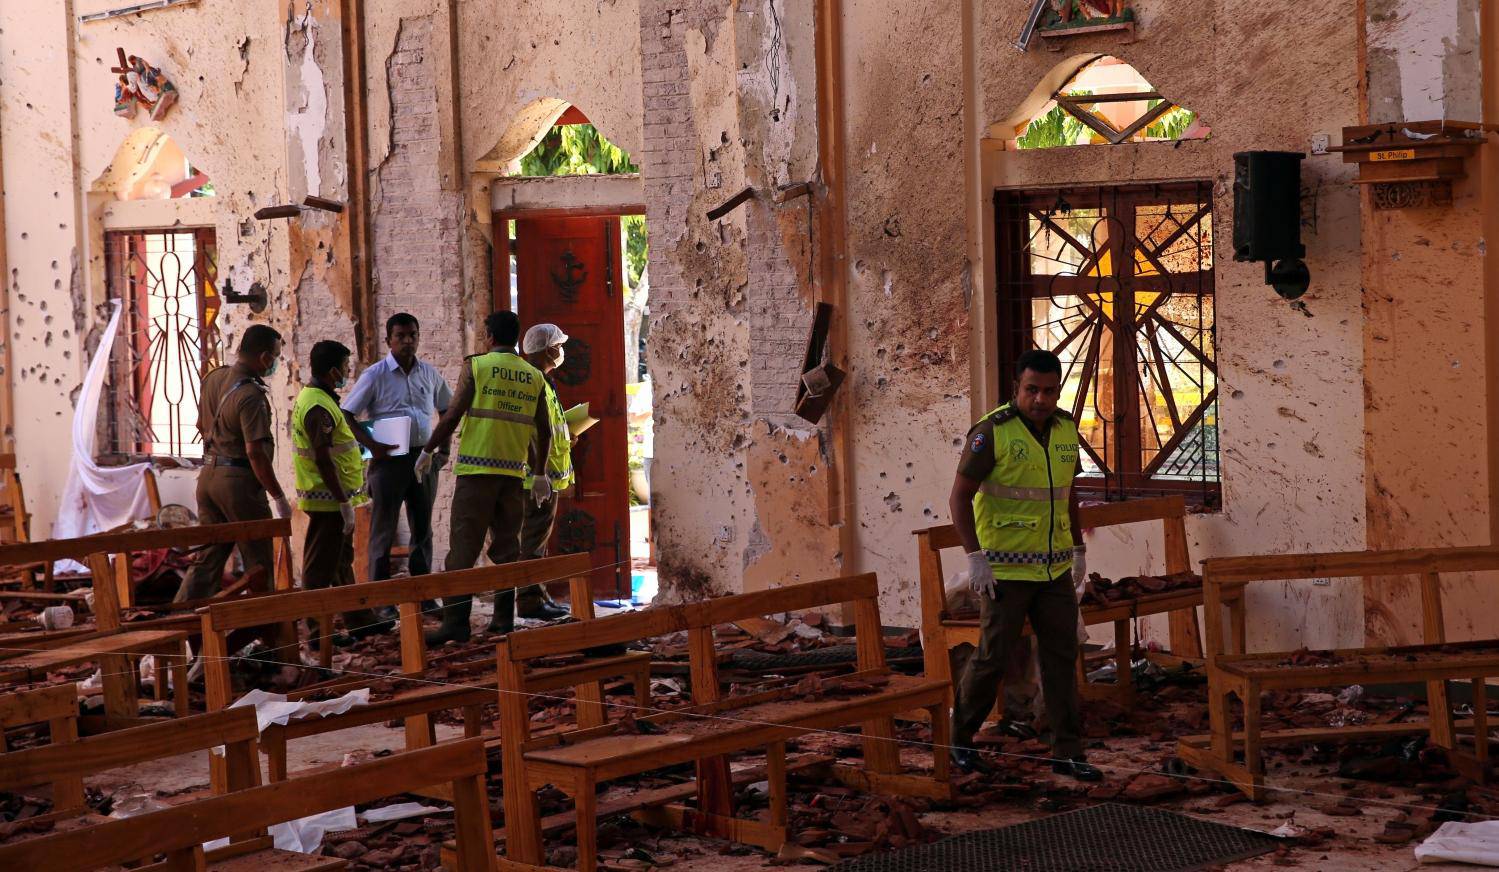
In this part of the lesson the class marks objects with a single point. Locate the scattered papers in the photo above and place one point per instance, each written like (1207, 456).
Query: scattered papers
(400, 811)
(274, 708)
(1454, 842)
(393, 431)
(578, 419)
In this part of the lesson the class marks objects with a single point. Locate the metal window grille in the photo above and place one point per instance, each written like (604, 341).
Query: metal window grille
(1118, 282)
(168, 340)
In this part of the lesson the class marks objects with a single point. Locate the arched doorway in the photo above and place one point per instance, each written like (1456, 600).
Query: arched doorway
(570, 249)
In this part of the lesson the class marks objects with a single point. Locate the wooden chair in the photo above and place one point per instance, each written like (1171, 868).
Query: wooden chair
(57, 707)
(417, 705)
(28, 657)
(180, 831)
(940, 633)
(577, 761)
(1233, 672)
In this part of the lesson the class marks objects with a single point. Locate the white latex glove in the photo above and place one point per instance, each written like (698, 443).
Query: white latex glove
(541, 488)
(346, 509)
(281, 507)
(1079, 579)
(423, 463)
(980, 574)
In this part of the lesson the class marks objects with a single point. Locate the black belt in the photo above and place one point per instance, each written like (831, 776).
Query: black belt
(221, 460)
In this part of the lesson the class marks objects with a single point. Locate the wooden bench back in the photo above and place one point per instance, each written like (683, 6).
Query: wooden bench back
(1224, 577)
(57, 707)
(405, 593)
(14, 498)
(236, 730)
(181, 830)
(698, 620)
(107, 555)
(1170, 511)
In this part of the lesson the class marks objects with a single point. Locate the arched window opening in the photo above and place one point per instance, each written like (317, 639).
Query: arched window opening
(1107, 102)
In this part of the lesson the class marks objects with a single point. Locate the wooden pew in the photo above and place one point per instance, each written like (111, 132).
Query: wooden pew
(70, 762)
(1233, 672)
(416, 705)
(180, 831)
(112, 644)
(941, 633)
(57, 707)
(577, 761)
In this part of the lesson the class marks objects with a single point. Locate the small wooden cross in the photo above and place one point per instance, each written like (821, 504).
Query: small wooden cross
(124, 66)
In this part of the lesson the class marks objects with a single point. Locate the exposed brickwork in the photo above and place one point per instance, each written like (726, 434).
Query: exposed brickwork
(417, 235)
(416, 224)
(778, 319)
(669, 161)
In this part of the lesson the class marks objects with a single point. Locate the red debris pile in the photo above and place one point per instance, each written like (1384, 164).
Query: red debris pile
(1100, 591)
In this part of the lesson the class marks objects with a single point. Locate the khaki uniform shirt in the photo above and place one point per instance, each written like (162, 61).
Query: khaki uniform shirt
(230, 418)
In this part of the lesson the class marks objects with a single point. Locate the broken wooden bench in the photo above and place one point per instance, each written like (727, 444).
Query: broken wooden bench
(243, 810)
(713, 727)
(113, 644)
(423, 698)
(941, 632)
(1247, 676)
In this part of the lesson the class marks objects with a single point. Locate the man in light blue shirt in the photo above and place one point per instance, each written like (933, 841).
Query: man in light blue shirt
(401, 386)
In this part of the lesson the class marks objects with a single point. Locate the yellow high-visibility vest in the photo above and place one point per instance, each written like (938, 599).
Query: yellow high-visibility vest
(313, 495)
(1020, 510)
(499, 426)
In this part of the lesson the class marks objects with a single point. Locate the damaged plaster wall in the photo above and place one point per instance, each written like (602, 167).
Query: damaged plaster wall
(1424, 337)
(1290, 376)
(61, 139)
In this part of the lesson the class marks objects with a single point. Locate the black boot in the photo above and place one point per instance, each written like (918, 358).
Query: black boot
(503, 619)
(1078, 768)
(455, 611)
(533, 604)
(967, 760)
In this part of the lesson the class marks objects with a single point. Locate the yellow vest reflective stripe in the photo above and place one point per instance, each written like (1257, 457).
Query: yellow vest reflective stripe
(499, 426)
(1020, 510)
(560, 458)
(313, 495)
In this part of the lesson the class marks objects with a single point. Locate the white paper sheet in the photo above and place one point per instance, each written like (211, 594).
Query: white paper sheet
(274, 708)
(1453, 842)
(393, 431)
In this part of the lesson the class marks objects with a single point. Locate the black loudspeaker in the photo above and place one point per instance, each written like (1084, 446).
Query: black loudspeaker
(1267, 205)
(1267, 217)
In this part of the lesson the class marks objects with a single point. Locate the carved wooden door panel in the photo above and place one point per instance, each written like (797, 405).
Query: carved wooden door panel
(568, 273)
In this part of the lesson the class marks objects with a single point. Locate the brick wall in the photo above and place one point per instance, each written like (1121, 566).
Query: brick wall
(777, 316)
(778, 319)
(418, 264)
(417, 230)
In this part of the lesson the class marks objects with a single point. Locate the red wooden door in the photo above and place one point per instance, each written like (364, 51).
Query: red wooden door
(567, 273)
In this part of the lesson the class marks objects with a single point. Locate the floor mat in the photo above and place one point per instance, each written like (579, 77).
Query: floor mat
(1102, 838)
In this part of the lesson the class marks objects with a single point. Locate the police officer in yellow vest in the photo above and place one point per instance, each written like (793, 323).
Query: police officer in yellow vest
(1016, 513)
(542, 347)
(500, 403)
(330, 483)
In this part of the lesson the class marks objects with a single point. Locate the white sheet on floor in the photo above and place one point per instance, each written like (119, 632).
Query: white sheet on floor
(97, 497)
(1453, 842)
(305, 835)
(274, 708)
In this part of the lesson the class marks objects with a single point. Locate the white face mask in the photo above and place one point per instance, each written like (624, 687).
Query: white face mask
(561, 355)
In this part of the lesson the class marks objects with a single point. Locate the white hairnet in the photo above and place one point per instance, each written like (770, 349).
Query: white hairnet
(541, 337)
